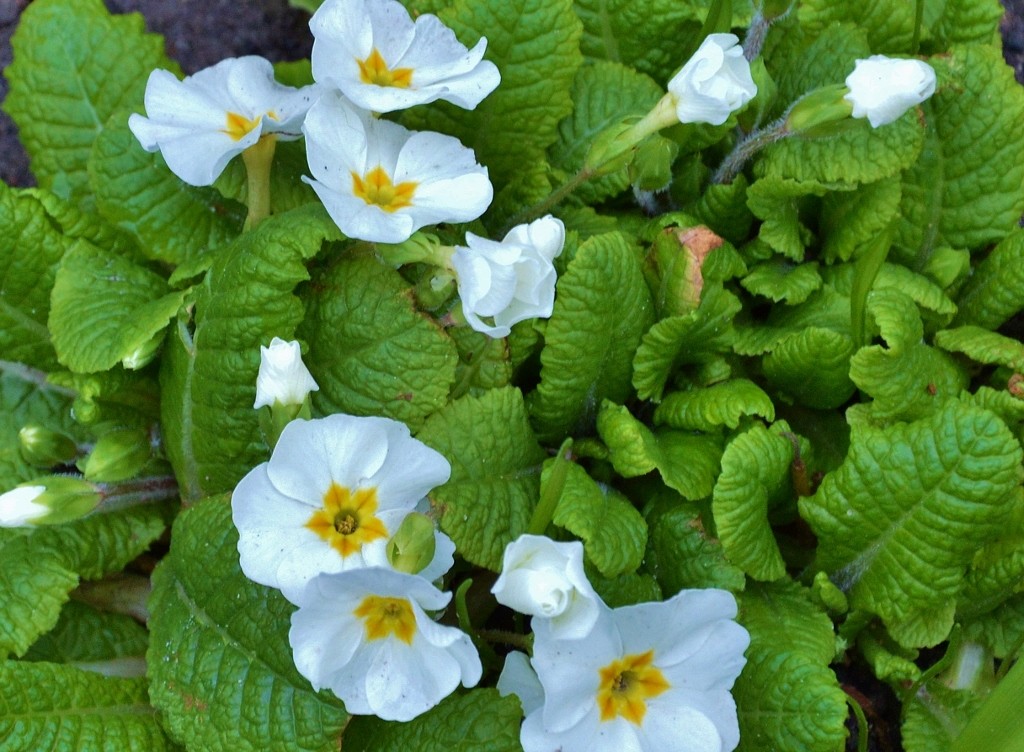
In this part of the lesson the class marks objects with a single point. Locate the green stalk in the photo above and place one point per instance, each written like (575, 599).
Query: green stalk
(258, 159)
(545, 510)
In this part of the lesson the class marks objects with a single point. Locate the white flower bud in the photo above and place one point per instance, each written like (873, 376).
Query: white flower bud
(882, 88)
(283, 377)
(18, 506)
(714, 83)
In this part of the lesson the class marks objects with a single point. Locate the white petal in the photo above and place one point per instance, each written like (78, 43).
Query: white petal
(671, 724)
(518, 678)
(444, 558)
(336, 144)
(18, 507)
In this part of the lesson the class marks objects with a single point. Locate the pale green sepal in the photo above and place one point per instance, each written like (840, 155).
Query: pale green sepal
(412, 546)
(496, 465)
(681, 553)
(780, 280)
(118, 455)
(43, 447)
(67, 498)
(204, 613)
(709, 408)
(983, 346)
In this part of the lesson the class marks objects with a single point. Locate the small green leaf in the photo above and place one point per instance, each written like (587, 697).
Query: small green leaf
(54, 707)
(84, 634)
(681, 554)
(995, 290)
(849, 219)
(602, 308)
(220, 667)
(778, 201)
(983, 346)
(709, 408)
(496, 464)
(781, 280)
(812, 366)
(936, 715)
(372, 352)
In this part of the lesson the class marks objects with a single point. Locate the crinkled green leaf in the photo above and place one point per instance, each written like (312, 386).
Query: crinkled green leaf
(849, 219)
(75, 66)
(54, 707)
(602, 308)
(1000, 401)
(812, 366)
(135, 190)
(983, 346)
(614, 533)
(695, 337)
(783, 281)
(687, 463)
(802, 61)
(755, 471)
(1000, 630)
(681, 554)
(826, 309)
(787, 698)
(535, 44)
(935, 306)
(477, 721)
(626, 589)
(966, 21)
(709, 408)
(777, 201)
(603, 94)
(995, 290)
(371, 351)
(900, 520)
(889, 24)
(84, 634)
(967, 189)
(936, 715)
(483, 361)
(39, 566)
(104, 308)
(889, 662)
(495, 481)
(996, 572)
(723, 208)
(211, 359)
(220, 666)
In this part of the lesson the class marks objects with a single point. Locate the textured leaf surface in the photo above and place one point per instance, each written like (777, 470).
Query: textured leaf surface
(85, 634)
(849, 219)
(53, 707)
(707, 409)
(777, 201)
(983, 346)
(602, 308)
(372, 352)
(936, 715)
(813, 367)
(478, 721)
(782, 281)
(104, 308)
(995, 290)
(967, 21)
(681, 554)
(76, 66)
(535, 44)
(787, 697)
(495, 481)
(899, 521)
(220, 666)
(889, 24)
(210, 363)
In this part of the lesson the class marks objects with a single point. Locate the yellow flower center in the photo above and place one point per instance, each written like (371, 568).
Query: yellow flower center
(239, 125)
(348, 520)
(374, 70)
(627, 684)
(376, 188)
(386, 617)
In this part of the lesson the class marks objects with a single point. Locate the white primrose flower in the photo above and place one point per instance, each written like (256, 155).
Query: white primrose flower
(545, 579)
(714, 83)
(518, 678)
(511, 280)
(366, 635)
(18, 507)
(283, 377)
(383, 61)
(381, 182)
(882, 88)
(200, 123)
(648, 678)
(333, 493)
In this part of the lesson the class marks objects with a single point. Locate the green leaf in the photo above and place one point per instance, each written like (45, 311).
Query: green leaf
(372, 352)
(801, 62)
(693, 338)
(496, 464)
(105, 309)
(826, 309)
(787, 698)
(687, 463)
(812, 367)
(900, 520)
(602, 308)
(681, 554)
(39, 566)
(709, 408)
(483, 361)
(967, 190)
(477, 721)
(1000, 630)
(755, 473)
(135, 190)
(889, 24)
(76, 66)
(966, 21)
(535, 44)
(627, 589)
(849, 219)
(778, 202)
(603, 95)
(49, 706)
(995, 290)
(220, 667)
(85, 634)
(210, 362)
(936, 715)
(983, 346)
(614, 533)
(996, 572)
(782, 280)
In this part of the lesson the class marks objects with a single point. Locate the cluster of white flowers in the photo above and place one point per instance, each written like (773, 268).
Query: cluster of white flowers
(649, 677)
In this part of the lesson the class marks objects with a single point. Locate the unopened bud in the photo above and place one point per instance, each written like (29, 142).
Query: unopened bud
(421, 247)
(118, 455)
(413, 545)
(821, 112)
(651, 168)
(49, 500)
(612, 150)
(42, 447)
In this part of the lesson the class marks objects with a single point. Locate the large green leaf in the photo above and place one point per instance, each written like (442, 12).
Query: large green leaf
(220, 666)
(75, 66)
(681, 554)
(889, 24)
(995, 290)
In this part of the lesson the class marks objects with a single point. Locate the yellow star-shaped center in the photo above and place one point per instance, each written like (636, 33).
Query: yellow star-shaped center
(626, 685)
(239, 125)
(374, 70)
(348, 519)
(376, 189)
(386, 617)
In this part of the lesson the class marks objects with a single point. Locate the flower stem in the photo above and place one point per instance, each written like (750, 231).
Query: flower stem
(756, 140)
(504, 637)
(136, 492)
(554, 198)
(258, 160)
(545, 509)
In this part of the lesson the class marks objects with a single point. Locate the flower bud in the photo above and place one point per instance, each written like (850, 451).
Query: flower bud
(882, 88)
(612, 149)
(42, 447)
(815, 111)
(714, 83)
(118, 455)
(413, 545)
(283, 378)
(421, 247)
(49, 500)
(651, 168)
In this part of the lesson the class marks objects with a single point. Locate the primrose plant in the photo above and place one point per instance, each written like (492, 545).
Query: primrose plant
(516, 376)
